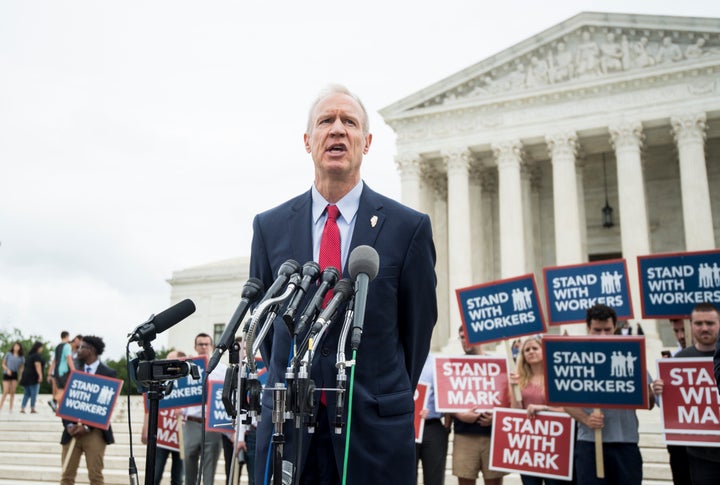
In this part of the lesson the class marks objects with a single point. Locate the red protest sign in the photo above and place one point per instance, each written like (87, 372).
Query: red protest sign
(167, 430)
(690, 398)
(471, 382)
(421, 397)
(541, 446)
(692, 439)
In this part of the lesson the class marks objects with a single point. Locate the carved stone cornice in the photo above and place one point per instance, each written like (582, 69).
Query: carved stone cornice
(562, 145)
(587, 53)
(689, 127)
(626, 134)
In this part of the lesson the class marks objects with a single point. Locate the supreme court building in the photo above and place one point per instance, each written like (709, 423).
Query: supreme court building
(515, 157)
(519, 159)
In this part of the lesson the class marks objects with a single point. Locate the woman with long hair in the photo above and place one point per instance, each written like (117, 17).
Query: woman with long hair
(530, 378)
(32, 376)
(12, 363)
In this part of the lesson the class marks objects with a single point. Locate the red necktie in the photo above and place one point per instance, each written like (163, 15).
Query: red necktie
(330, 245)
(329, 256)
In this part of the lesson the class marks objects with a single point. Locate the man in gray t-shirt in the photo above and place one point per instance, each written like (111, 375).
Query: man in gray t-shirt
(621, 454)
(704, 461)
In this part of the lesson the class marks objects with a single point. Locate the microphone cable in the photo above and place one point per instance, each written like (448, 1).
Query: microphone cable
(349, 418)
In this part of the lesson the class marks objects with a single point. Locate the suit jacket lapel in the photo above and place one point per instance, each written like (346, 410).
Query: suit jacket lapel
(369, 221)
(300, 229)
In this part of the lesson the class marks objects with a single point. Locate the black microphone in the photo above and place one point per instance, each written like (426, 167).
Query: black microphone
(341, 293)
(363, 266)
(252, 290)
(310, 273)
(327, 280)
(286, 270)
(156, 324)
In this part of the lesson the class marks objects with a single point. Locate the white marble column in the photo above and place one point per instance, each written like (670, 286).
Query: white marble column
(627, 139)
(479, 224)
(442, 333)
(459, 234)
(580, 177)
(568, 231)
(410, 180)
(689, 132)
(512, 224)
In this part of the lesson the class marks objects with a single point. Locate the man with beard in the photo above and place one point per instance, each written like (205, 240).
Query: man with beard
(704, 461)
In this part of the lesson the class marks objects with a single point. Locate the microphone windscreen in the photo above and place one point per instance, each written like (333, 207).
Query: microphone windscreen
(253, 289)
(364, 259)
(344, 286)
(173, 315)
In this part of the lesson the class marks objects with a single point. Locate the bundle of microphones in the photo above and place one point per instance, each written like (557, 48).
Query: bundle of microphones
(296, 397)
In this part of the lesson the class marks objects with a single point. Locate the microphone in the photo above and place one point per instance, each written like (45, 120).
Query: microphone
(310, 273)
(287, 269)
(327, 280)
(363, 266)
(252, 290)
(341, 293)
(156, 324)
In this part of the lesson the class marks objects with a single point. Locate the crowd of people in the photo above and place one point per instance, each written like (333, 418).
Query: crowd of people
(622, 459)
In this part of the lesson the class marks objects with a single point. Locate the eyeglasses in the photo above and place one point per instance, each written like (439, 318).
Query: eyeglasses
(203, 344)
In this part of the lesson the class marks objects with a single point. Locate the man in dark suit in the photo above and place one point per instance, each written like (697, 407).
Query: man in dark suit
(88, 440)
(400, 315)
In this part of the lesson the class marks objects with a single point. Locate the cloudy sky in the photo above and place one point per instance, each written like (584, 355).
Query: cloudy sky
(140, 137)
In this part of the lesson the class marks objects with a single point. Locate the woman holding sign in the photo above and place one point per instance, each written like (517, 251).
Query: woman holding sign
(530, 377)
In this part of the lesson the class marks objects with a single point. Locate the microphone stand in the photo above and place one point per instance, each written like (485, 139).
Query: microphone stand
(341, 364)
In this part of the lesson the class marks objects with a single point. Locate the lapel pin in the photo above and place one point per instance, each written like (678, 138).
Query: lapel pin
(373, 221)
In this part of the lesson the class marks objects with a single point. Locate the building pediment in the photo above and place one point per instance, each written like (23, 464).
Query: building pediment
(588, 49)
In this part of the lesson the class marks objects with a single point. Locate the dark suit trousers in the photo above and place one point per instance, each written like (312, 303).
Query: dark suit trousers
(433, 452)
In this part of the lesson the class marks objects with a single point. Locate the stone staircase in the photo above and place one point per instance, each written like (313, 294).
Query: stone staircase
(30, 449)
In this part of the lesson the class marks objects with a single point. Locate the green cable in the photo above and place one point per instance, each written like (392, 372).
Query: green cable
(349, 420)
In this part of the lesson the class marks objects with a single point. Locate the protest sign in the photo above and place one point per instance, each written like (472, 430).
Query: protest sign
(571, 290)
(421, 397)
(216, 418)
(541, 446)
(595, 371)
(672, 284)
(500, 310)
(690, 398)
(167, 430)
(692, 439)
(89, 398)
(471, 382)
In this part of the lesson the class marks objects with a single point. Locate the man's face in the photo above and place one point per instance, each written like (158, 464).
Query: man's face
(203, 345)
(678, 327)
(336, 141)
(601, 327)
(705, 326)
(85, 353)
(75, 344)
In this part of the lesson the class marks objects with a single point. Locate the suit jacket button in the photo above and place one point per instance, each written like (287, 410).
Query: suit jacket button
(325, 351)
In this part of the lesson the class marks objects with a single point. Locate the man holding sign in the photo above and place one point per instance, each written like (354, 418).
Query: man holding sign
(620, 451)
(79, 438)
(471, 445)
(704, 461)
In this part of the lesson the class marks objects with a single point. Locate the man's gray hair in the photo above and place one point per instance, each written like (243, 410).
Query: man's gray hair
(337, 89)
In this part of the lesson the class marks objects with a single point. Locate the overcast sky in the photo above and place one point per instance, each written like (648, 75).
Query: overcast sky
(140, 137)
